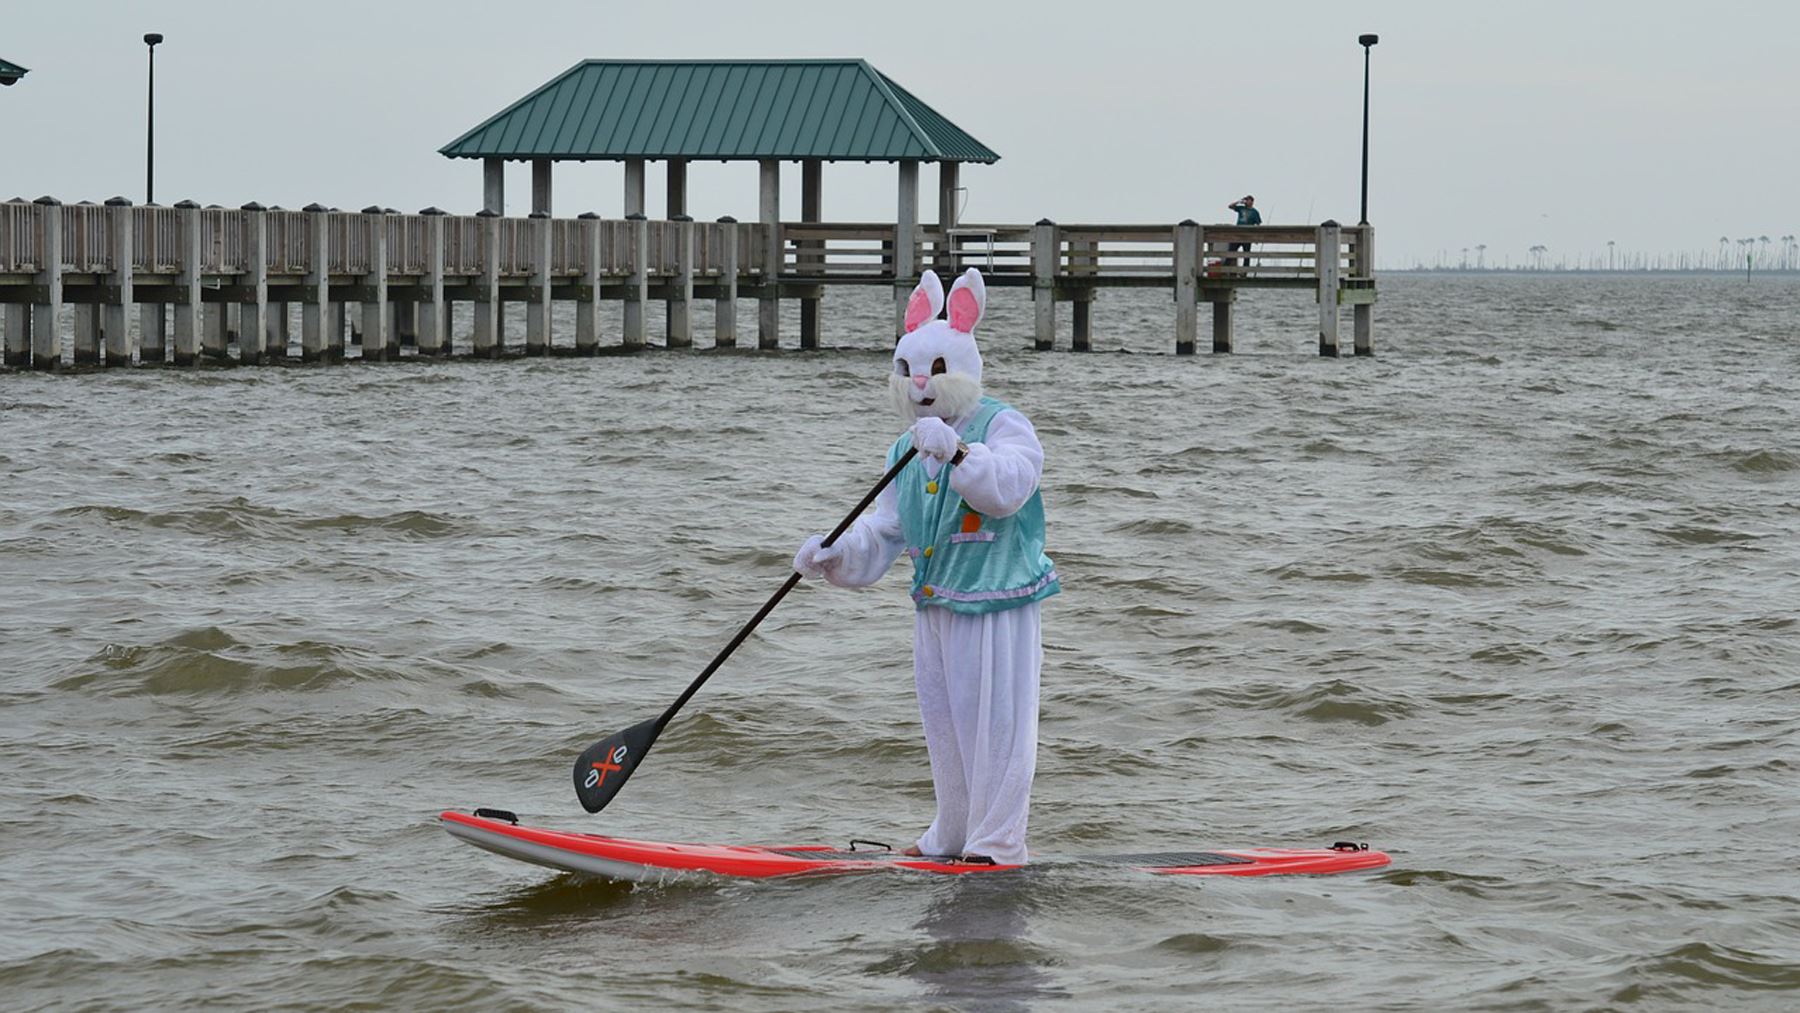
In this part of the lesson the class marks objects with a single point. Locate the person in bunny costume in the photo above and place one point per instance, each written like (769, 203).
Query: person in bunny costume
(968, 513)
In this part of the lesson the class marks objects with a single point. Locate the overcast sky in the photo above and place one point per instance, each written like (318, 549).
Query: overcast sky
(1661, 125)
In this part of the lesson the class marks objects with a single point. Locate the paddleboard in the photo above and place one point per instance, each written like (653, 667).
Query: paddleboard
(500, 832)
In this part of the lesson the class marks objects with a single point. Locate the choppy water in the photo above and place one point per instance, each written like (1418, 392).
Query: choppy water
(1516, 601)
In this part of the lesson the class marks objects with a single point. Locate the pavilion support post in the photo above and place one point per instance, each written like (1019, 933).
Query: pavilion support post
(253, 312)
(47, 298)
(488, 339)
(315, 299)
(377, 341)
(680, 330)
(949, 189)
(537, 307)
(540, 186)
(1364, 311)
(725, 310)
(677, 188)
(1187, 257)
(493, 185)
(1222, 300)
(811, 259)
(16, 318)
(587, 298)
(634, 187)
(118, 287)
(1326, 261)
(768, 310)
(187, 297)
(906, 241)
(433, 316)
(1043, 282)
(637, 285)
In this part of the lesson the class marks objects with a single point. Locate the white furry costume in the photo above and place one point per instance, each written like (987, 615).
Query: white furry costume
(976, 648)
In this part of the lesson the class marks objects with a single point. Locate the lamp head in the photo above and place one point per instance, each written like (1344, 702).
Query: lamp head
(1367, 40)
(152, 38)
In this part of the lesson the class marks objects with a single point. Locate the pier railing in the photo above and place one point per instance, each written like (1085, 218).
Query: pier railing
(189, 255)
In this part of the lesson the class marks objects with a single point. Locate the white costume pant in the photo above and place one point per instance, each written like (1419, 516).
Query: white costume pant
(977, 677)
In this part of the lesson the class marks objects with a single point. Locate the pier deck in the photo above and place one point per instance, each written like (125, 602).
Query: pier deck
(189, 264)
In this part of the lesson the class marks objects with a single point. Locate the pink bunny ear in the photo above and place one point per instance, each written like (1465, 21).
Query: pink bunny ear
(968, 301)
(926, 302)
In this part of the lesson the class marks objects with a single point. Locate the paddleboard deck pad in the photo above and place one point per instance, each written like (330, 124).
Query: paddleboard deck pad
(654, 861)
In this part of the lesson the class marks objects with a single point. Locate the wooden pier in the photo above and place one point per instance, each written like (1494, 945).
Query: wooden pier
(401, 272)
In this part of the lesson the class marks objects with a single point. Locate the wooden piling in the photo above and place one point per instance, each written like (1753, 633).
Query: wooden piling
(768, 307)
(47, 290)
(253, 309)
(118, 290)
(680, 319)
(377, 341)
(1043, 282)
(725, 308)
(17, 321)
(810, 260)
(85, 349)
(488, 342)
(1326, 258)
(153, 332)
(1363, 311)
(1081, 322)
(906, 242)
(433, 312)
(315, 300)
(1187, 285)
(493, 185)
(537, 304)
(1222, 300)
(637, 285)
(587, 298)
(188, 303)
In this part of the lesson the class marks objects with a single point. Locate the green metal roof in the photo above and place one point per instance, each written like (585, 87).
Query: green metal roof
(726, 109)
(10, 71)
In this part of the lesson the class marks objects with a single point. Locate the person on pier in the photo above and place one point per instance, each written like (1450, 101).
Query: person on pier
(1247, 215)
(968, 512)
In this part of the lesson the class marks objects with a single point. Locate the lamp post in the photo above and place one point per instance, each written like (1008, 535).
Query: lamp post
(150, 40)
(1366, 41)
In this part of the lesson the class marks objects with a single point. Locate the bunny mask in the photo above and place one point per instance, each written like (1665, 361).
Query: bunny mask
(937, 368)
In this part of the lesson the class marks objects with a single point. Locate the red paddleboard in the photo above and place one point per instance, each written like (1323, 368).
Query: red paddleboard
(655, 861)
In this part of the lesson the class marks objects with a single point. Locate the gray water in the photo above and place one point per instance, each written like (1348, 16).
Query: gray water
(1515, 601)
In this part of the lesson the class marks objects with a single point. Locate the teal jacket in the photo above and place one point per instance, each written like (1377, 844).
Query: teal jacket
(963, 560)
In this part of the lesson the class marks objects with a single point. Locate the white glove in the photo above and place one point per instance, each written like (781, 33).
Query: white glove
(934, 438)
(814, 558)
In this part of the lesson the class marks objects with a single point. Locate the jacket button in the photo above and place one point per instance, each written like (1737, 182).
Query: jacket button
(927, 552)
(931, 488)
(928, 591)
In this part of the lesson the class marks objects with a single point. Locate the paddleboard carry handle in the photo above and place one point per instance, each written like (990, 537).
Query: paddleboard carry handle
(854, 841)
(1349, 846)
(498, 814)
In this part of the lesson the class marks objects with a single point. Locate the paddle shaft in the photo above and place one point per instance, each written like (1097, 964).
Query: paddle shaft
(786, 586)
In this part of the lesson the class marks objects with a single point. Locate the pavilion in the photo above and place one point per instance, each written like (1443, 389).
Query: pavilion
(766, 111)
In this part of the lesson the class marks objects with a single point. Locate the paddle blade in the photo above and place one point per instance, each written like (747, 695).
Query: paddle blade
(602, 769)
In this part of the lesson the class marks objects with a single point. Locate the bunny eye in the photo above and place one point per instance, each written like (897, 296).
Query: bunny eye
(938, 367)
(902, 368)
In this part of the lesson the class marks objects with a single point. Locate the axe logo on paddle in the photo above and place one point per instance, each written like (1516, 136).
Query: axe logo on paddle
(596, 776)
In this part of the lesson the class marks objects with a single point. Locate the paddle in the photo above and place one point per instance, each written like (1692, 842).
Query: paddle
(602, 768)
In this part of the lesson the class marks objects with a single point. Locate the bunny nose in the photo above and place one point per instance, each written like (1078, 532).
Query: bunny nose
(919, 381)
